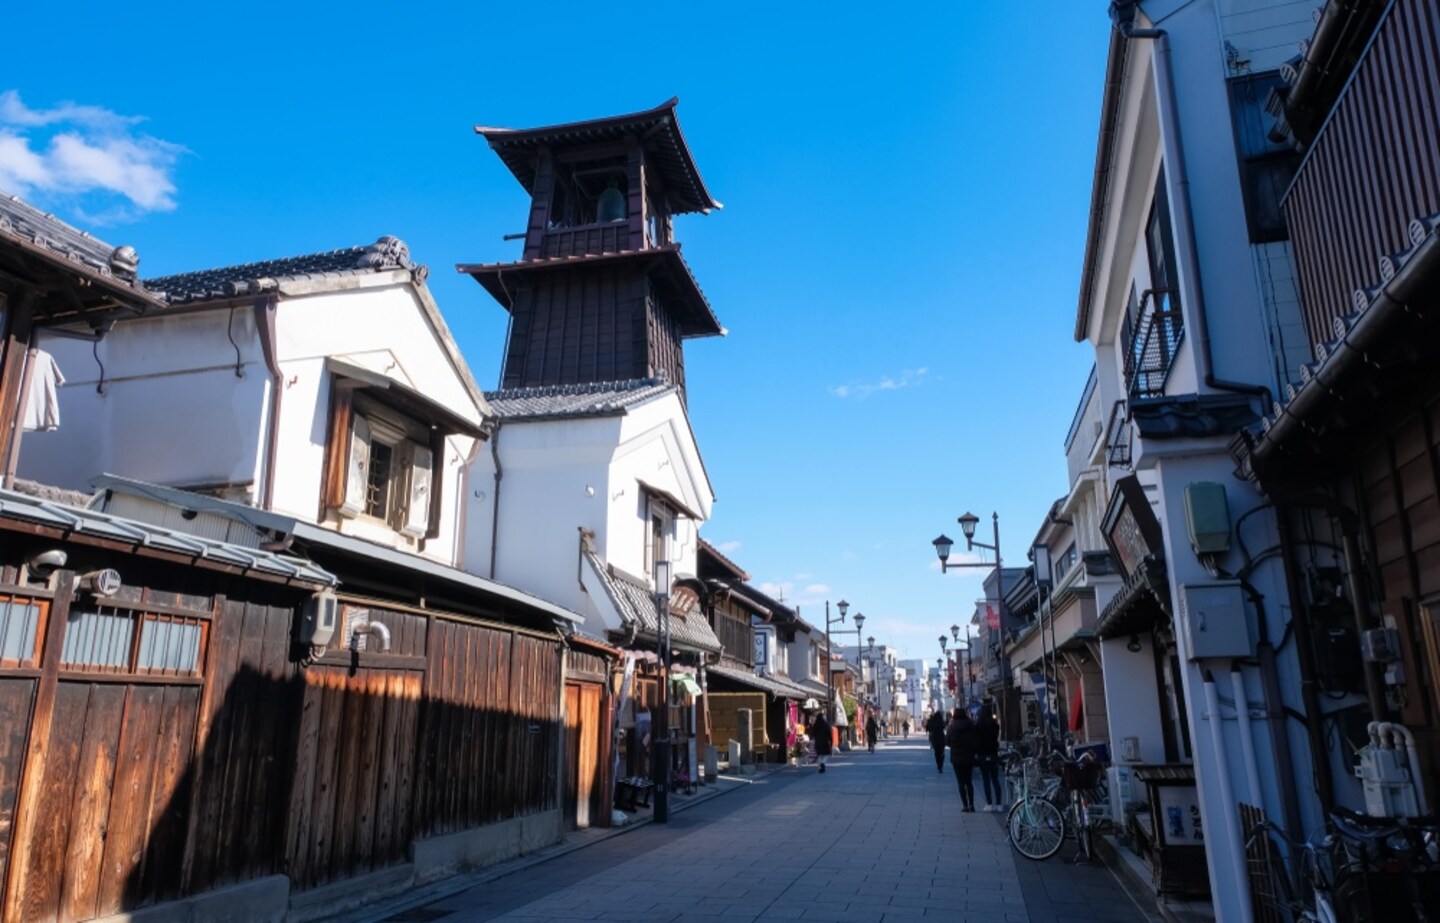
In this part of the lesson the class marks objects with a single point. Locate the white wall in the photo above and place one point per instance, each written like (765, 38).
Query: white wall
(172, 410)
(560, 476)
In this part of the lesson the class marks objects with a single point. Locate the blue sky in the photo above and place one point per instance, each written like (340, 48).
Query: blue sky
(905, 189)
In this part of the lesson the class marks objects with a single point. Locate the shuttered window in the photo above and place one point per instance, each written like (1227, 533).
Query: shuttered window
(20, 628)
(107, 639)
(381, 465)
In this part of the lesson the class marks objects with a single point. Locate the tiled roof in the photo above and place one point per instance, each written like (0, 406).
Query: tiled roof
(1386, 317)
(251, 278)
(775, 686)
(94, 523)
(595, 399)
(635, 602)
(37, 232)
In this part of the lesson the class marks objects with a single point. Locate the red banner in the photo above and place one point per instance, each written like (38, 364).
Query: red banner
(992, 618)
(950, 678)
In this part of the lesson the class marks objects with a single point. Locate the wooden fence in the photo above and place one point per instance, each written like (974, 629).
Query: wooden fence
(127, 781)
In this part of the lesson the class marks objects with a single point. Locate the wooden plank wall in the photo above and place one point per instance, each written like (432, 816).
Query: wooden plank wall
(1372, 169)
(120, 791)
(580, 325)
(490, 729)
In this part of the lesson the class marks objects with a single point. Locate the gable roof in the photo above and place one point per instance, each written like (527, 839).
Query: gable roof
(634, 602)
(223, 282)
(658, 129)
(588, 399)
(36, 247)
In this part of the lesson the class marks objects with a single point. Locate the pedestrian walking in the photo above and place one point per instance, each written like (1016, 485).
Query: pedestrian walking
(872, 731)
(905, 729)
(987, 757)
(935, 727)
(960, 737)
(824, 739)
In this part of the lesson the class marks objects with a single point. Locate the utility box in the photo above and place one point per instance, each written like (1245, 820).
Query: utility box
(1215, 620)
(1208, 517)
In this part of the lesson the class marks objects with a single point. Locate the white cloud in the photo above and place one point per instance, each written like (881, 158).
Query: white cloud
(728, 547)
(906, 379)
(84, 154)
(816, 589)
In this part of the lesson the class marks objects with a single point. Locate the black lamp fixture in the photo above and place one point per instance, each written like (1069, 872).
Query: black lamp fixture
(859, 620)
(955, 633)
(870, 642)
(1133, 645)
(943, 642)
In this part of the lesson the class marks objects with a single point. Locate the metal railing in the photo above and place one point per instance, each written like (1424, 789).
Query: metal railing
(1154, 342)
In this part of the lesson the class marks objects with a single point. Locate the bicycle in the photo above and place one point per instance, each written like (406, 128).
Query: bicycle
(1081, 779)
(1034, 825)
(1272, 885)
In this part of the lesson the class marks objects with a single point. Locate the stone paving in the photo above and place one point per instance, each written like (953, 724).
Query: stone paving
(879, 837)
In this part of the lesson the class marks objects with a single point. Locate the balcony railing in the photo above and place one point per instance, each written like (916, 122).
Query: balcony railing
(586, 240)
(1153, 344)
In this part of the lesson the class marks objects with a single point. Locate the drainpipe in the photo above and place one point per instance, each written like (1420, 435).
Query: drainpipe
(495, 500)
(1183, 222)
(1235, 852)
(1247, 743)
(265, 326)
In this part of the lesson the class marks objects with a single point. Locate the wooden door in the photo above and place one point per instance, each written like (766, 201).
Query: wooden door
(591, 763)
(570, 808)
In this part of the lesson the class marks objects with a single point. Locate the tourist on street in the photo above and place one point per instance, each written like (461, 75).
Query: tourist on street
(960, 736)
(935, 727)
(987, 757)
(824, 739)
(905, 729)
(872, 731)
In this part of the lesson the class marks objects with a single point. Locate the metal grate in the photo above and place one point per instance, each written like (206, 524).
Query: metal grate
(1150, 354)
(19, 627)
(105, 639)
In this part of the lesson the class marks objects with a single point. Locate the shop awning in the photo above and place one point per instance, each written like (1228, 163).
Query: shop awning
(762, 683)
(685, 682)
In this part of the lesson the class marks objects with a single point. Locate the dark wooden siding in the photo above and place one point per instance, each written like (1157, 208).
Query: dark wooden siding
(666, 348)
(584, 325)
(1398, 481)
(123, 790)
(490, 727)
(1373, 168)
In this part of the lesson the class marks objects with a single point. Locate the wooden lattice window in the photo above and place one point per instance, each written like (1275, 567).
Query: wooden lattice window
(22, 625)
(109, 639)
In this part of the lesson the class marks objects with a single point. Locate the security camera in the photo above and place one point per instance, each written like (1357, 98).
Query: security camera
(46, 563)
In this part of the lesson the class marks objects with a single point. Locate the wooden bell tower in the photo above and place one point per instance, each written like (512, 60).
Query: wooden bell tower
(600, 293)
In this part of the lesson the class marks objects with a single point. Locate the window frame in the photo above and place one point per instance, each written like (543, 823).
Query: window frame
(42, 623)
(139, 617)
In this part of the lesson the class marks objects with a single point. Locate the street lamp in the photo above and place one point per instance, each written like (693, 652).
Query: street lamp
(662, 725)
(844, 607)
(943, 544)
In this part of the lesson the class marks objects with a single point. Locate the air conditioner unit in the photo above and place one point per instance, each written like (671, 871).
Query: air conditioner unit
(318, 619)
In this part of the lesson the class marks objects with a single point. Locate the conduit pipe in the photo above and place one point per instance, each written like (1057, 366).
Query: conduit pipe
(1235, 852)
(377, 629)
(1383, 734)
(1247, 743)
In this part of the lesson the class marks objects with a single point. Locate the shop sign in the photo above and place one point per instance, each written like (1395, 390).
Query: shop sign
(1179, 820)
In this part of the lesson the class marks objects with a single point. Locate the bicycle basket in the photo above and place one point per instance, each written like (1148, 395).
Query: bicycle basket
(1082, 775)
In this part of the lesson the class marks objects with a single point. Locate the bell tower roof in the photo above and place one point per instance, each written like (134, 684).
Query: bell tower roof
(657, 129)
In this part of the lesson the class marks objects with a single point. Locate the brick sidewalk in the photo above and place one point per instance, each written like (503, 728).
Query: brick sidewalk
(880, 837)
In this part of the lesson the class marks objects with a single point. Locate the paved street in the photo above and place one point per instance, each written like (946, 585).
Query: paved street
(877, 838)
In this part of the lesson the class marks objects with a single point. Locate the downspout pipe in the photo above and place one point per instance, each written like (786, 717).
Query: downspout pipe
(1235, 851)
(1182, 219)
(1247, 742)
(495, 499)
(265, 326)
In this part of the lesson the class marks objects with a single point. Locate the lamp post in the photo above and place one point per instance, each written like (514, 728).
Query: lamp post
(944, 673)
(943, 544)
(662, 725)
(844, 607)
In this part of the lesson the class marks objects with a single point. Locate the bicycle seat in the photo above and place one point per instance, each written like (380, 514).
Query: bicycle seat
(1363, 827)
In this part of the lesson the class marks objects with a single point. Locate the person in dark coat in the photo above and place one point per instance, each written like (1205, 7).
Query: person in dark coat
(872, 731)
(935, 727)
(961, 738)
(987, 757)
(824, 739)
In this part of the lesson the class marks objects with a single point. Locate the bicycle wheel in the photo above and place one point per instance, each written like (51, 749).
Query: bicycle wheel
(1036, 828)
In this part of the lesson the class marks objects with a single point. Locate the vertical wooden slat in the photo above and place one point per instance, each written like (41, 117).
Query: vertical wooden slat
(16, 697)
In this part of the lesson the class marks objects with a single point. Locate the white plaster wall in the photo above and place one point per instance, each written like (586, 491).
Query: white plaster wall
(563, 475)
(382, 329)
(172, 410)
